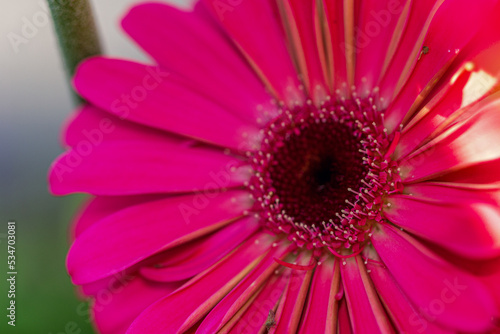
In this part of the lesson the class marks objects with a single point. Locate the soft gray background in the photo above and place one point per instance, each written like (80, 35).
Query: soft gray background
(34, 101)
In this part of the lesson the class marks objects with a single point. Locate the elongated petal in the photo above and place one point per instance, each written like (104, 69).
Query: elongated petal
(484, 42)
(198, 51)
(454, 103)
(463, 91)
(487, 271)
(320, 312)
(470, 142)
(455, 193)
(485, 173)
(432, 115)
(135, 233)
(195, 299)
(400, 67)
(454, 25)
(302, 20)
(344, 322)
(100, 207)
(341, 42)
(439, 290)
(263, 43)
(238, 297)
(292, 303)
(151, 96)
(471, 230)
(380, 27)
(365, 310)
(207, 252)
(90, 124)
(257, 317)
(139, 167)
(405, 317)
(114, 310)
(116, 279)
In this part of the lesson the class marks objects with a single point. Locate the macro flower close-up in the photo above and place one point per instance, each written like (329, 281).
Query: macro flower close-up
(291, 166)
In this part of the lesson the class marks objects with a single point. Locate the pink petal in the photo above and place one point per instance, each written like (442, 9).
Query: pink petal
(255, 316)
(439, 290)
(432, 116)
(485, 42)
(453, 26)
(197, 297)
(178, 254)
(114, 310)
(340, 42)
(320, 312)
(92, 125)
(115, 279)
(454, 193)
(292, 302)
(301, 17)
(100, 207)
(206, 252)
(198, 52)
(466, 88)
(470, 230)
(344, 323)
(405, 317)
(365, 310)
(145, 229)
(381, 24)
(408, 50)
(130, 168)
(490, 276)
(151, 96)
(482, 173)
(487, 271)
(467, 143)
(87, 215)
(263, 43)
(232, 303)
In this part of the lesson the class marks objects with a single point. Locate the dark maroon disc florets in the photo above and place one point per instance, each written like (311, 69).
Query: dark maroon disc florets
(322, 173)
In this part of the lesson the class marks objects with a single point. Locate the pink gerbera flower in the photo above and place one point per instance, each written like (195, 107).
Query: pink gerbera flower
(291, 166)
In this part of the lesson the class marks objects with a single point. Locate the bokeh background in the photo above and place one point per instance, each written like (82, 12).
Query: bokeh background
(34, 102)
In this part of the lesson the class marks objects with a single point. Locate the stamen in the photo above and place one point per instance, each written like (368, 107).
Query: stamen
(344, 256)
(321, 173)
(295, 266)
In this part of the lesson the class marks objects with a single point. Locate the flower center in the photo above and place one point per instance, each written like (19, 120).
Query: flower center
(322, 173)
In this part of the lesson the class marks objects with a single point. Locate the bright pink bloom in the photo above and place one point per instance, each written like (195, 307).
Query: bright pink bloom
(296, 165)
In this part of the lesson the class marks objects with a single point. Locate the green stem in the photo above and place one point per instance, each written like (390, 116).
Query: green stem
(77, 32)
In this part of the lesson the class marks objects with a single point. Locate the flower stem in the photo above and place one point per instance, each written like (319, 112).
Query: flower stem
(77, 33)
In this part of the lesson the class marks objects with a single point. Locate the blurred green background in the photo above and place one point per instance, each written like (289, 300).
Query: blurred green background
(34, 101)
